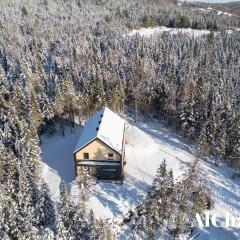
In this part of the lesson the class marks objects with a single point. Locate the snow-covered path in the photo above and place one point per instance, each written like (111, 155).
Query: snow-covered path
(148, 144)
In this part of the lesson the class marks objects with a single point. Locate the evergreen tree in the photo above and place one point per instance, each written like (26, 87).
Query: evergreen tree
(234, 156)
(36, 114)
(45, 210)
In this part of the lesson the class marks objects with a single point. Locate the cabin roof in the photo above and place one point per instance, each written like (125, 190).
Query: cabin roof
(106, 126)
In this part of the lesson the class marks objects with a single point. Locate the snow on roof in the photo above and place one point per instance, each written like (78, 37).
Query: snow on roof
(106, 126)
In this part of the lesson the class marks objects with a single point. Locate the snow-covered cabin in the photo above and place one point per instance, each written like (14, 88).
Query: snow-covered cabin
(100, 148)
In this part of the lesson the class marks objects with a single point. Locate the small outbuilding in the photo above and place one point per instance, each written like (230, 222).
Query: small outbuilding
(100, 149)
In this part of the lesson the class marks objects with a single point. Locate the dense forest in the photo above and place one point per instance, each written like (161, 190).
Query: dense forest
(60, 61)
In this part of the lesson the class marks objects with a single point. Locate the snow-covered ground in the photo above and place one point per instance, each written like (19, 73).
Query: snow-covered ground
(148, 32)
(203, 9)
(148, 144)
(218, 12)
(224, 13)
(58, 161)
(154, 31)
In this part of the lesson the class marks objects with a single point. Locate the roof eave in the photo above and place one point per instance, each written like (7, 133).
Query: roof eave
(77, 150)
(85, 145)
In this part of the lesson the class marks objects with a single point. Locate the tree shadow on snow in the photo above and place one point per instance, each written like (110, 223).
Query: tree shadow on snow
(159, 132)
(219, 177)
(131, 193)
(57, 150)
(226, 189)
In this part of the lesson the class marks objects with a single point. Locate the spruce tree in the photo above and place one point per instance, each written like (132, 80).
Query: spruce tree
(45, 209)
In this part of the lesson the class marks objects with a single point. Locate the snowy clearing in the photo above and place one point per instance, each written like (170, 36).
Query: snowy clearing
(224, 13)
(148, 144)
(211, 10)
(148, 32)
(203, 9)
(58, 161)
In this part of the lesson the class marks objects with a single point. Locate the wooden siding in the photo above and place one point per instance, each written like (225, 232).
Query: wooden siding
(97, 151)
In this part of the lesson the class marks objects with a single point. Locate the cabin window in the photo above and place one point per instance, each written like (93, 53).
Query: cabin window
(85, 155)
(109, 170)
(110, 156)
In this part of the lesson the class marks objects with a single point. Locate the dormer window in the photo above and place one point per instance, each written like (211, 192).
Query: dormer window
(110, 156)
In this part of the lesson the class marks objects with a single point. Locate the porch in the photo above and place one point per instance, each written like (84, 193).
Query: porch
(102, 170)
